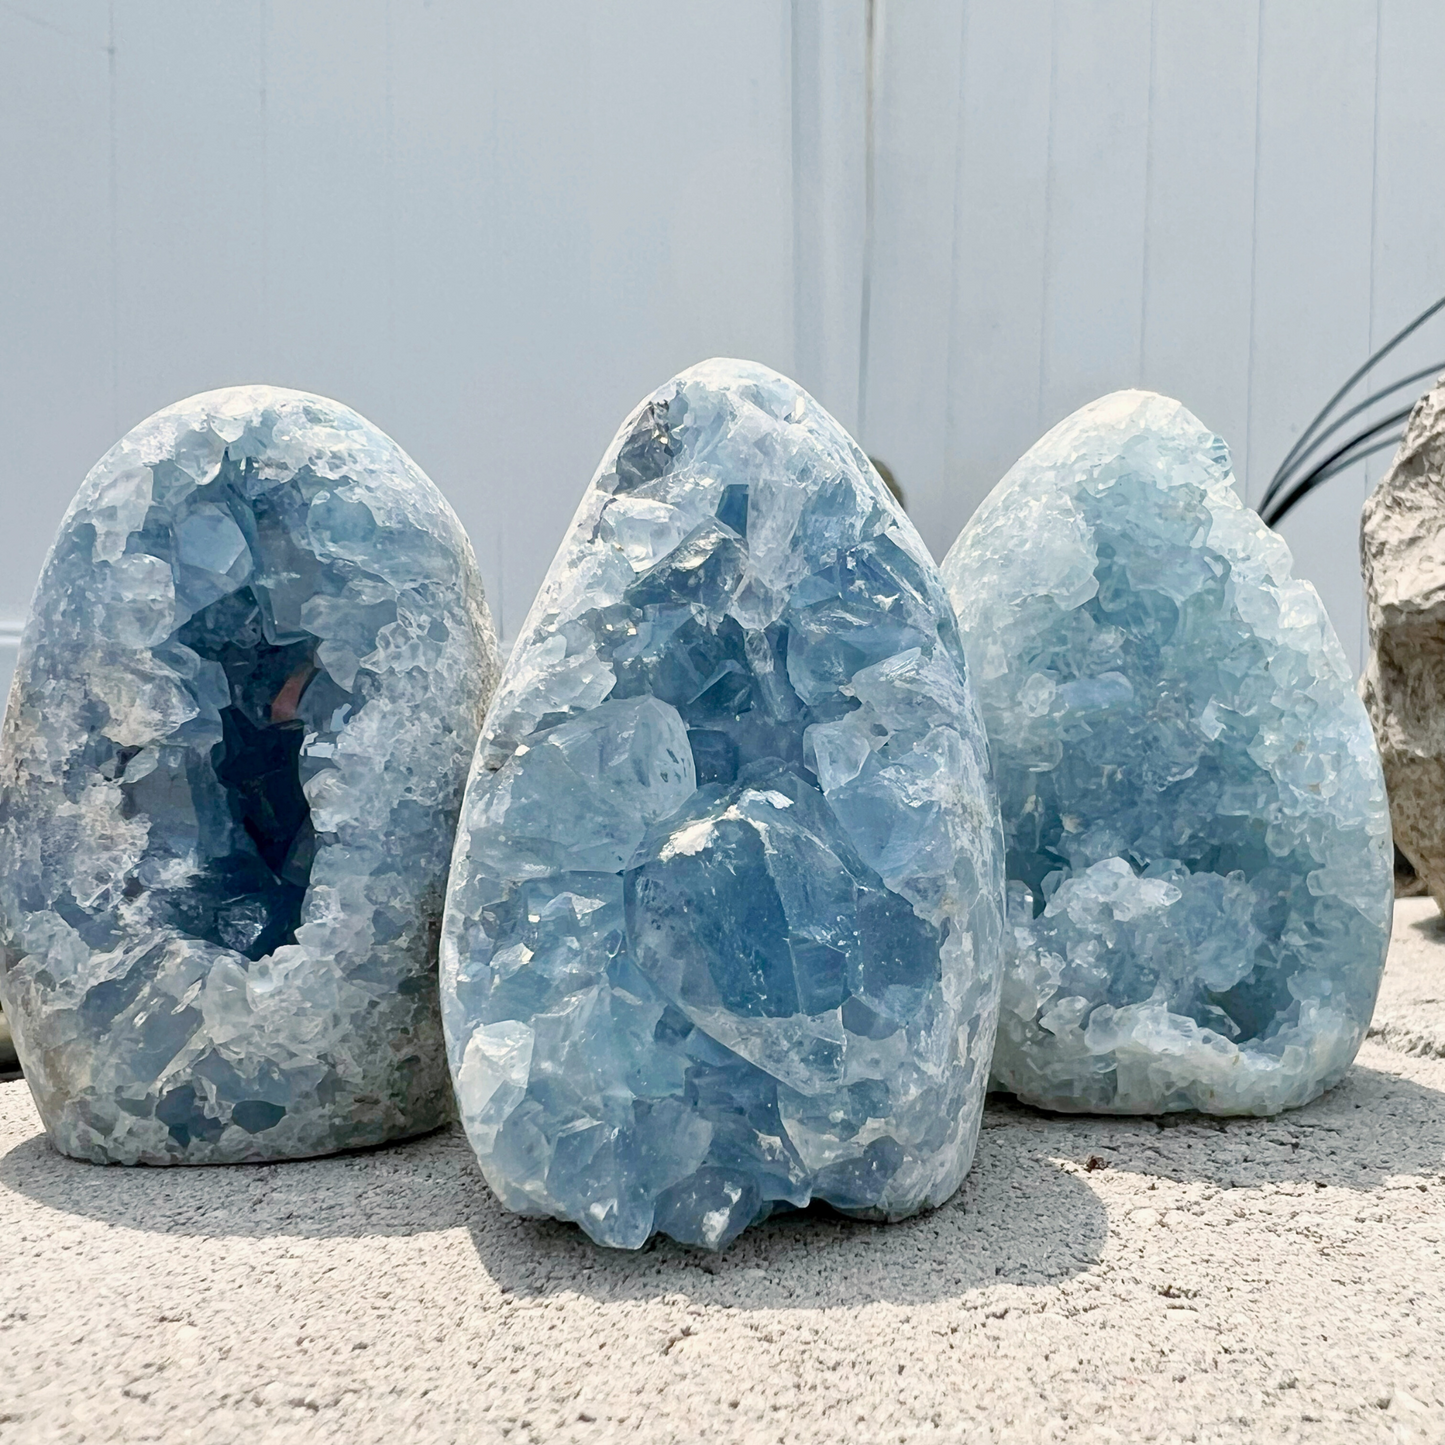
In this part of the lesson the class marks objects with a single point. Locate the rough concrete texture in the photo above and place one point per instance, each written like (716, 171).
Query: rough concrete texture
(1410, 1012)
(1095, 1280)
(1402, 527)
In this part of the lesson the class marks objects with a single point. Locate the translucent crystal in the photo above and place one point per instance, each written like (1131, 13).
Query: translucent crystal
(724, 926)
(246, 698)
(1199, 858)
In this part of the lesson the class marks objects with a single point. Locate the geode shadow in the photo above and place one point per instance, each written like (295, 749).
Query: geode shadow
(245, 702)
(1019, 1219)
(1371, 1126)
(415, 1187)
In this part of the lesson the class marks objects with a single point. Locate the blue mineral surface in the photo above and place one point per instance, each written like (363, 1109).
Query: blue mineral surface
(1199, 857)
(724, 928)
(247, 695)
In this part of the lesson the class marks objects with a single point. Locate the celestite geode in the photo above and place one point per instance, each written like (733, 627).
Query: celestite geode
(246, 698)
(724, 925)
(1199, 857)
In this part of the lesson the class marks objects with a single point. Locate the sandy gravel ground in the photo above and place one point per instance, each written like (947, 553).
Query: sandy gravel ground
(1095, 1280)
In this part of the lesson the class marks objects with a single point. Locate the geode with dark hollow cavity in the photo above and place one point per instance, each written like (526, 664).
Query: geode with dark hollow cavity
(247, 694)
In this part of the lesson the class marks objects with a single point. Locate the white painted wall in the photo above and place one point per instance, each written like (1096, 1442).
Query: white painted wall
(1232, 202)
(491, 229)
(489, 235)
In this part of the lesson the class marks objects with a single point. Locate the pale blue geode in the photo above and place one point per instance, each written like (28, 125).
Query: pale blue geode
(724, 926)
(1199, 857)
(247, 695)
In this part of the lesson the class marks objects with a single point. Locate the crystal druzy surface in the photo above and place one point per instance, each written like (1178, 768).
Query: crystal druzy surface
(724, 926)
(237, 738)
(1199, 852)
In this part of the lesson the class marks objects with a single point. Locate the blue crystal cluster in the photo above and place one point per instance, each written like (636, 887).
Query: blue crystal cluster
(725, 918)
(1199, 854)
(245, 703)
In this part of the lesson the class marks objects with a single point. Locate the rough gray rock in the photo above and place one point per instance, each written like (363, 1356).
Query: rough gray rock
(1402, 529)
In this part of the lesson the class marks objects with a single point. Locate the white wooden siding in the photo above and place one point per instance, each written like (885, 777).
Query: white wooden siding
(954, 222)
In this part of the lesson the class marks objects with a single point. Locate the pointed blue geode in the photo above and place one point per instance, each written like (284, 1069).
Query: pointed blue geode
(245, 702)
(1200, 870)
(724, 923)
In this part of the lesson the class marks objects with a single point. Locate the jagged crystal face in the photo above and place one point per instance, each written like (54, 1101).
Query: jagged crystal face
(247, 695)
(1199, 853)
(725, 917)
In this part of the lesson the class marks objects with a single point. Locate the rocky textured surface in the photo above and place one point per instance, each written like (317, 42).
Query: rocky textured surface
(1200, 870)
(723, 928)
(9, 1062)
(1402, 551)
(240, 723)
(1095, 1280)
(1410, 1011)
(1408, 883)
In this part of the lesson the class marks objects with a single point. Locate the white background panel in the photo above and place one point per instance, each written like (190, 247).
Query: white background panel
(1095, 234)
(492, 237)
(1312, 268)
(905, 381)
(1200, 222)
(1000, 255)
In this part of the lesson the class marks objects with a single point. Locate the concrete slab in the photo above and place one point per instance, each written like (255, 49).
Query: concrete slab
(1095, 1280)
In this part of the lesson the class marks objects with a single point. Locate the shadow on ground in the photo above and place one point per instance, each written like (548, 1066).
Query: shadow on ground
(1431, 926)
(414, 1187)
(1372, 1127)
(1026, 1214)
(1019, 1218)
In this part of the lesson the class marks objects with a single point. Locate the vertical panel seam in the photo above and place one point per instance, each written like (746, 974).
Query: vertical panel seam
(1374, 192)
(870, 92)
(949, 449)
(1148, 187)
(1253, 255)
(114, 201)
(1048, 218)
(265, 14)
(389, 178)
(502, 607)
(1363, 631)
(795, 181)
